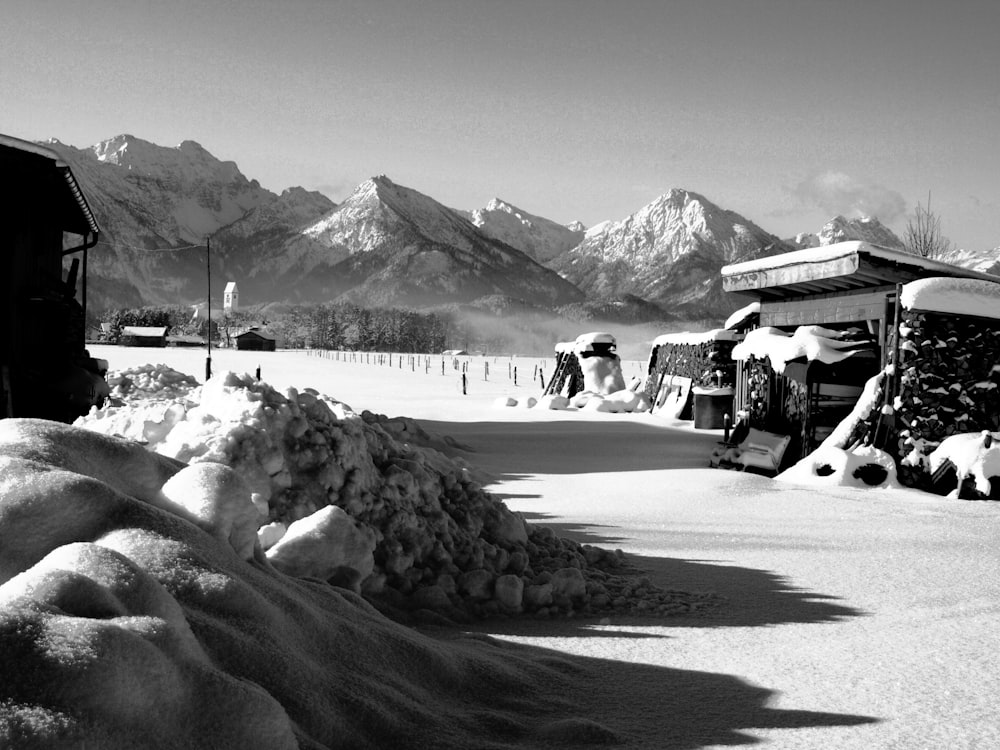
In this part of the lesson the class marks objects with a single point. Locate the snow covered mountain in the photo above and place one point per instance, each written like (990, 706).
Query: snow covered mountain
(389, 244)
(535, 236)
(668, 253)
(841, 229)
(988, 262)
(149, 199)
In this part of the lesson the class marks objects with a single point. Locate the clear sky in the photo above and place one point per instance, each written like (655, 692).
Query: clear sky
(786, 111)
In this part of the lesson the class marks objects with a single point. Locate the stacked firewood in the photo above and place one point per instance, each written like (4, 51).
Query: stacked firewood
(707, 364)
(948, 375)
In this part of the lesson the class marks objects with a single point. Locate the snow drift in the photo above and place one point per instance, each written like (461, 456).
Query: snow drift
(152, 600)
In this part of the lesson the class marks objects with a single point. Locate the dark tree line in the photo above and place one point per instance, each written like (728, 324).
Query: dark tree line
(329, 326)
(346, 326)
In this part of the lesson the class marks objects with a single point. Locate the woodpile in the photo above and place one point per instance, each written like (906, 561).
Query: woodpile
(948, 372)
(699, 362)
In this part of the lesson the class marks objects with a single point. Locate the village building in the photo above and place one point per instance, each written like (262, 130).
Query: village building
(231, 298)
(257, 340)
(143, 336)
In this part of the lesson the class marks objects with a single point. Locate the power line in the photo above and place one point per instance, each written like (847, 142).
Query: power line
(126, 246)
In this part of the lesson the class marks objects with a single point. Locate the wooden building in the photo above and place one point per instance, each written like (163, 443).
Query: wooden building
(143, 336)
(48, 229)
(850, 291)
(257, 340)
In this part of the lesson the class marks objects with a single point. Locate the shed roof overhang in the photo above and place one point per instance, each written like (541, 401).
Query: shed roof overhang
(43, 175)
(846, 267)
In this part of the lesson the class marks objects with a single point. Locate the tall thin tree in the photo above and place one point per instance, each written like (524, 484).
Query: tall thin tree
(923, 233)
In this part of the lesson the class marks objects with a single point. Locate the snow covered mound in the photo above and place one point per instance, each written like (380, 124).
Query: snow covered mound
(416, 531)
(127, 621)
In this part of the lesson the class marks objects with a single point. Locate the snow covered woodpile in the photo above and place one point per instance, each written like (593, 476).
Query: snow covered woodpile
(703, 357)
(567, 378)
(948, 370)
(588, 375)
(417, 532)
(133, 615)
(589, 363)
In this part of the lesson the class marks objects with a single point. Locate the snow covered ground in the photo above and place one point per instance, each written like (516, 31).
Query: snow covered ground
(851, 618)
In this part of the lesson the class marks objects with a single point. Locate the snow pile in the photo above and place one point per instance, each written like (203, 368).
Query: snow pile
(417, 531)
(956, 296)
(123, 624)
(812, 342)
(864, 466)
(975, 455)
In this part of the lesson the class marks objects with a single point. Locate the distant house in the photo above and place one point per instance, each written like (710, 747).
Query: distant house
(231, 298)
(185, 340)
(143, 336)
(257, 340)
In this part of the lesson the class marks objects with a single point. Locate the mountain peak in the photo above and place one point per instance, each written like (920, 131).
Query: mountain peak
(841, 229)
(657, 252)
(537, 237)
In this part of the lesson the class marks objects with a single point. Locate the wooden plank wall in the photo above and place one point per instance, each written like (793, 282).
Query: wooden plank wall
(825, 309)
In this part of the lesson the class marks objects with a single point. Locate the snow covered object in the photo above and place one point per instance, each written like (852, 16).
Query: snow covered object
(948, 369)
(588, 375)
(412, 529)
(704, 358)
(126, 622)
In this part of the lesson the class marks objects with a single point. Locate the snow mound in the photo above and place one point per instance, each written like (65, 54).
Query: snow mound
(863, 466)
(417, 532)
(975, 455)
(124, 625)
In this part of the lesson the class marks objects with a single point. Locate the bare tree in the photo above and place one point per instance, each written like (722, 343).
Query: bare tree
(923, 233)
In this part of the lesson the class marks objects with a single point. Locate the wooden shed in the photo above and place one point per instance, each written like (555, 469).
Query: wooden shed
(257, 340)
(850, 291)
(143, 336)
(45, 370)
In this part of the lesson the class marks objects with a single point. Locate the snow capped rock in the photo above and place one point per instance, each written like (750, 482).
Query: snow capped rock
(396, 245)
(535, 236)
(841, 229)
(150, 198)
(669, 252)
(986, 262)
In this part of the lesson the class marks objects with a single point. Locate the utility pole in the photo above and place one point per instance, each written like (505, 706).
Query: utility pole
(208, 306)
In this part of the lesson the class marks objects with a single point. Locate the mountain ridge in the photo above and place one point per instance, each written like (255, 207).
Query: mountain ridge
(387, 244)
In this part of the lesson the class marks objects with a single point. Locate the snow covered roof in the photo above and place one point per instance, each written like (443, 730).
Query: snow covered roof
(259, 333)
(586, 341)
(815, 343)
(956, 296)
(144, 330)
(72, 205)
(834, 268)
(595, 337)
(699, 337)
(230, 287)
(740, 316)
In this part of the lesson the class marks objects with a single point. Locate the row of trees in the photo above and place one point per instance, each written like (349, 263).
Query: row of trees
(330, 326)
(345, 326)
